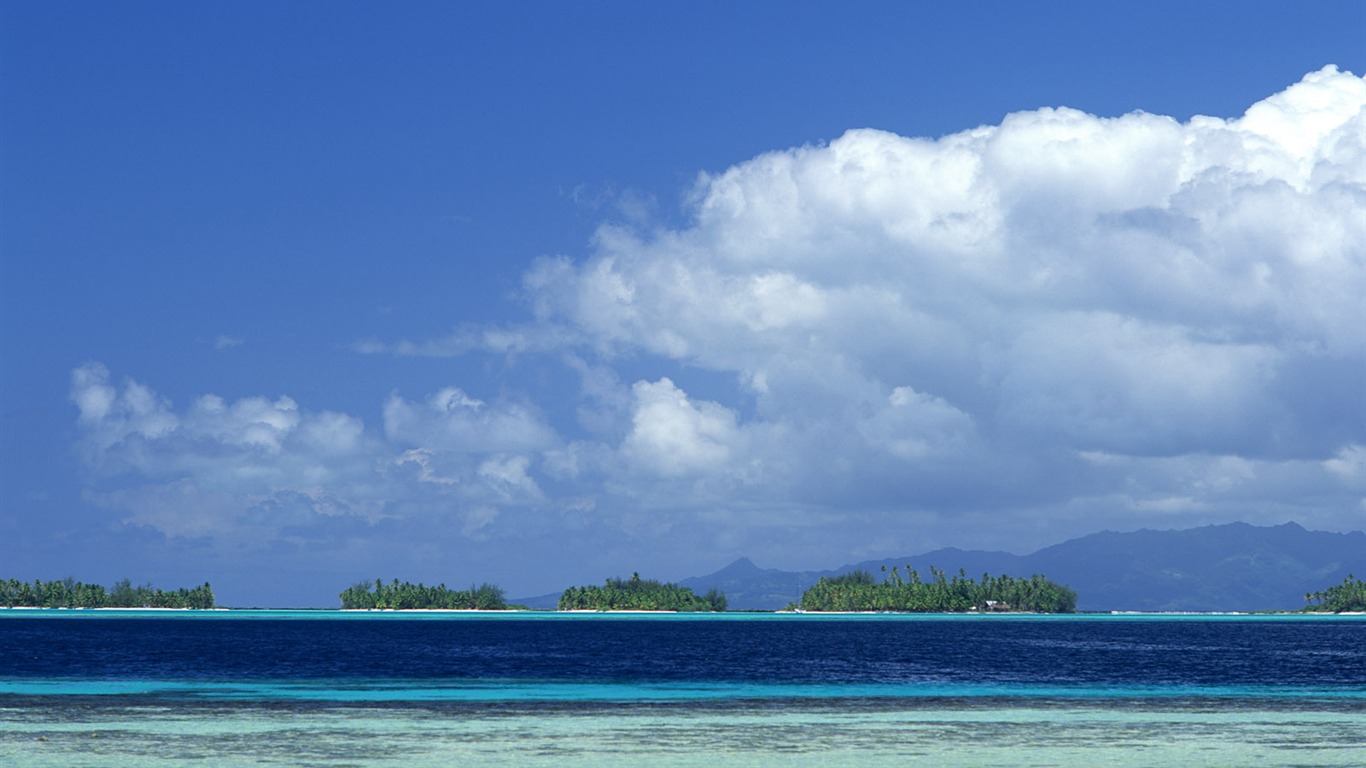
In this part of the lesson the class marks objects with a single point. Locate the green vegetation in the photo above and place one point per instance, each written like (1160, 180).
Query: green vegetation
(69, 593)
(1350, 595)
(404, 595)
(637, 594)
(859, 591)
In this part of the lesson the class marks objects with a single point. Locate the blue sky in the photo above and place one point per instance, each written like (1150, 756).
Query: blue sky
(294, 294)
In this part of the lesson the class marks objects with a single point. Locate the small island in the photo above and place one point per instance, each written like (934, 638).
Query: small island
(858, 591)
(402, 596)
(1347, 597)
(637, 594)
(69, 593)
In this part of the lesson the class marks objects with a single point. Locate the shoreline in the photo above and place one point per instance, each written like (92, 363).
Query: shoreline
(629, 612)
(111, 608)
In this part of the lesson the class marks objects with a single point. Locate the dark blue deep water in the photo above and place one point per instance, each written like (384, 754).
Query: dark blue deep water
(599, 656)
(84, 689)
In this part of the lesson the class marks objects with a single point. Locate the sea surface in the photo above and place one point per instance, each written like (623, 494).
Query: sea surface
(331, 688)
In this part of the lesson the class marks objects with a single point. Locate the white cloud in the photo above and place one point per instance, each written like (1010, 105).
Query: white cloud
(509, 340)
(1062, 317)
(1056, 284)
(1117, 383)
(509, 475)
(422, 459)
(451, 420)
(915, 426)
(1349, 466)
(1130, 281)
(178, 508)
(132, 429)
(250, 422)
(672, 436)
(247, 471)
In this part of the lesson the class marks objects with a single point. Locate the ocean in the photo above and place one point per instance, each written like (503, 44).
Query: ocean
(331, 688)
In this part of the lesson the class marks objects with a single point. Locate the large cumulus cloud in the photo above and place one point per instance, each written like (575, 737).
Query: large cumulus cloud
(1059, 282)
(1069, 318)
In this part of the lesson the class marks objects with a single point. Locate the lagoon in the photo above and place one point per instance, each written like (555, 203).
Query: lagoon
(328, 688)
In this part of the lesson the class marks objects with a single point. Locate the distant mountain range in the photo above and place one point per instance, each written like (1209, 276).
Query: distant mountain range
(1233, 567)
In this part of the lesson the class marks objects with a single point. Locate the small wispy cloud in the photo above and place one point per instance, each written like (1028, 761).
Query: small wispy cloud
(498, 340)
(225, 341)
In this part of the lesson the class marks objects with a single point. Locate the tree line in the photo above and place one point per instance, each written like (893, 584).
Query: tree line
(859, 591)
(637, 594)
(1350, 595)
(398, 595)
(69, 593)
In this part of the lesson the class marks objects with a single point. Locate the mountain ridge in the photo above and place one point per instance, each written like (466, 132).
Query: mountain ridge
(1225, 567)
(1217, 567)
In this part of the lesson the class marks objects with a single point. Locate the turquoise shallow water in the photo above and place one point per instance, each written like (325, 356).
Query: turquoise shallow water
(845, 732)
(313, 688)
(495, 691)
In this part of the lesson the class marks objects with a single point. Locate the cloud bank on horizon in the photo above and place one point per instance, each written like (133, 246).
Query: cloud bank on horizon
(1026, 331)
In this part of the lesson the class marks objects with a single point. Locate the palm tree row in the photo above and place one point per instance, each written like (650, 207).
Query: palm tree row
(398, 595)
(859, 591)
(69, 593)
(637, 594)
(1350, 595)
